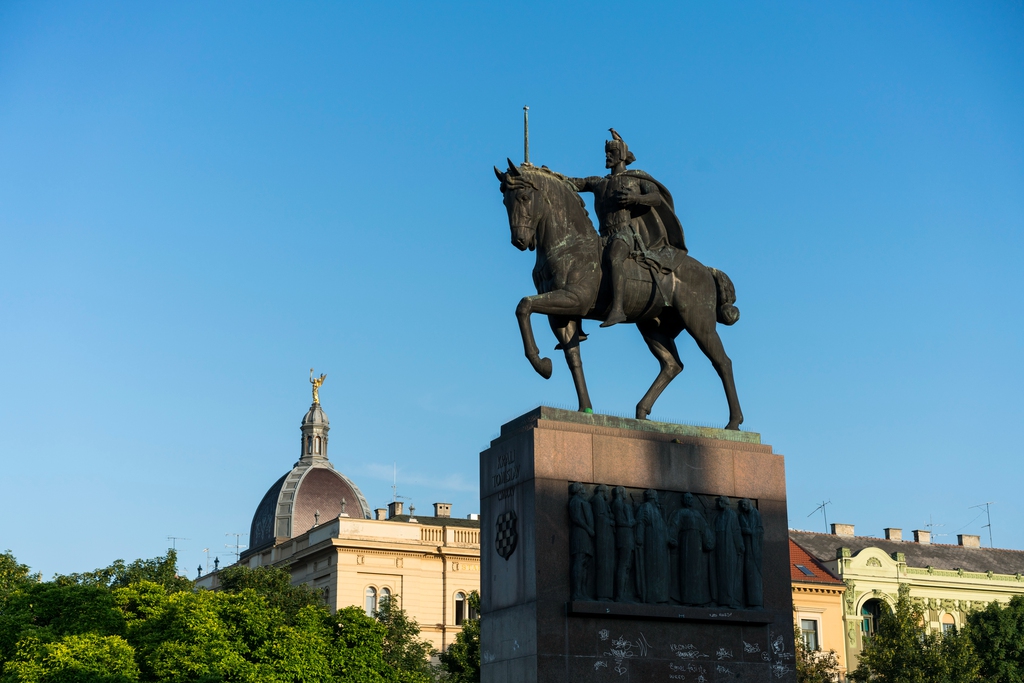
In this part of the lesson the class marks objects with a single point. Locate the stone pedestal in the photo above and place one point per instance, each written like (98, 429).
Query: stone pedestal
(534, 629)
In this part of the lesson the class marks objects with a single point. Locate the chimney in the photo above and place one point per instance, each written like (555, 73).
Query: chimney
(842, 530)
(394, 509)
(922, 536)
(893, 534)
(442, 509)
(968, 540)
(381, 514)
(474, 516)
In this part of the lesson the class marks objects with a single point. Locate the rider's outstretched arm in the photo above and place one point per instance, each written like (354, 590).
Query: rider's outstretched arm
(588, 184)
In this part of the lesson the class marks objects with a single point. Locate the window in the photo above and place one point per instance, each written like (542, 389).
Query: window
(474, 613)
(371, 601)
(384, 593)
(870, 614)
(460, 608)
(326, 591)
(316, 445)
(809, 634)
(309, 445)
(948, 623)
(805, 570)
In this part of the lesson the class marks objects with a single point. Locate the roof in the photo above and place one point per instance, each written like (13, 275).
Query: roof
(438, 521)
(922, 555)
(807, 569)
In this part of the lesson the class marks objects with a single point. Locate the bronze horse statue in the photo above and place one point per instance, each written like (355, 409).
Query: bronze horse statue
(547, 214)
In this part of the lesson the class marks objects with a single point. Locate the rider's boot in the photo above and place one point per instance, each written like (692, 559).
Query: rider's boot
(615, 313)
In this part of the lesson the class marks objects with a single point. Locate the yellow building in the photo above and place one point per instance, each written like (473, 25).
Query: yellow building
(315, 522)
(947, 581)
(817, 603)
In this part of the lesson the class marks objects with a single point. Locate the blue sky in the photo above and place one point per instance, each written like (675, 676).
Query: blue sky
(199, 202)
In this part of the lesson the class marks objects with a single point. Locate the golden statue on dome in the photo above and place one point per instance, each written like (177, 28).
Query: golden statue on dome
(316, 382)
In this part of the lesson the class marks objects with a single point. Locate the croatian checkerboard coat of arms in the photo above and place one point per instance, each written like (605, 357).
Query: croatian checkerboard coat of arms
(507, 534)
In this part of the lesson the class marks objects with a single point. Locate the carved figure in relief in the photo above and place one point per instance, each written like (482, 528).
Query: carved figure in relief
(691, 533)
(625, 543)
(604, 544)
(753, 544)
(581, 542)
(726, 575)
(652, 549)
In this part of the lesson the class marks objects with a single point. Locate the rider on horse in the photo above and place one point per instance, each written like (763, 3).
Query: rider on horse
(637, 220)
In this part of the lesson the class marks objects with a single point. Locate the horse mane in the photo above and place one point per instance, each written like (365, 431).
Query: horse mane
(544, 171)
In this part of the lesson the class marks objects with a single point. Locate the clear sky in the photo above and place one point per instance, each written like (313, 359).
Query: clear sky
(199, 202)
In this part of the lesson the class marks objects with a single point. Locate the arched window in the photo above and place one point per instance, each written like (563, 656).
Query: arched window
(309, 445)
(326, 590)
(948, 623)
(371, 601)
(460, 608)
(870, 615)
(384, 593)
(316, 445)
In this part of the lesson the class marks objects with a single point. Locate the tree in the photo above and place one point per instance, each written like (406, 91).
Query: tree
(815, 667)
(997, 633)
(902, 652)
(13, 576)
(461, 662)
(87, 658)
(403, 649)
(274, 584)
(162, 570)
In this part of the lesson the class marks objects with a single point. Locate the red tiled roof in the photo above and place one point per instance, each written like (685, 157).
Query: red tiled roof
(819, 574)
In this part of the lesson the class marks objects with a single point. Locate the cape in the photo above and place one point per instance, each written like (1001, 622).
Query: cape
(666, 212)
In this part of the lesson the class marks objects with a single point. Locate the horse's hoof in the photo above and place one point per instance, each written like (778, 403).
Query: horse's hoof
(642, 413)
(734, 425)
(543, 368)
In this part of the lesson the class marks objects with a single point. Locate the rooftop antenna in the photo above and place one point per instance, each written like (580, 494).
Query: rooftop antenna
(988, 516)
(174, 541)
(931, 527)
(394, 487)
(207, 551)
(237, 545)
(526, 135)
(823, 512)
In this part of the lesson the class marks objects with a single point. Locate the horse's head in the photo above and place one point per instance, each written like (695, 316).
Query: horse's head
(522, 200)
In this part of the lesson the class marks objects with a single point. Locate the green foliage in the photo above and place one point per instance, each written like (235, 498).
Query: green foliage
(815, 667)
(274, 584)
(901, 651)
(461, 662)
(87, 658)
(404, 651)
(162, 570)
(134, 622)
(13, 576)
(997, 633)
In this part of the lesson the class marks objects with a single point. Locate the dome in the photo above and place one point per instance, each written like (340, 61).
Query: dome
(315, 416)
(313, 485)
(289, 507)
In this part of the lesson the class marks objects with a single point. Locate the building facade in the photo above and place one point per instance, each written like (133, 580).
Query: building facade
(817, 603)
(315, 522)
(947, 581)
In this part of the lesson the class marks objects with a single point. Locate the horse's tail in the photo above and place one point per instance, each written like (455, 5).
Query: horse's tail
(726, 313)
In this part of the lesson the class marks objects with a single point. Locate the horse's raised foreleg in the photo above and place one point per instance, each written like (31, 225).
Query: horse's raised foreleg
(661, 342)
(710, 343)
(567, 332)
(558, 302)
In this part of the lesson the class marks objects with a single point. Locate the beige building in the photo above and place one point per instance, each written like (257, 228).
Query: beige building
(315, 522)
(948, 581)
(817, 603)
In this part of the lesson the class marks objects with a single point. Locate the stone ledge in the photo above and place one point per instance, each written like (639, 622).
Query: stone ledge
(611, 421)
(578, 608)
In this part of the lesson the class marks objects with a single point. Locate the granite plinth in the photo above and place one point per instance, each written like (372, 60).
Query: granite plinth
(531, 630)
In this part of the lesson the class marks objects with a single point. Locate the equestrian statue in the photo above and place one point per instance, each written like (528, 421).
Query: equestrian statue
(635, 269)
